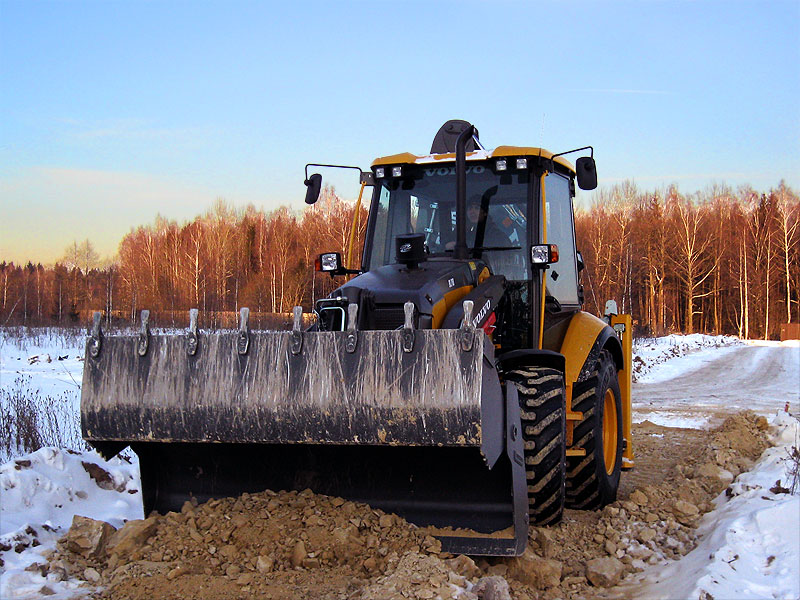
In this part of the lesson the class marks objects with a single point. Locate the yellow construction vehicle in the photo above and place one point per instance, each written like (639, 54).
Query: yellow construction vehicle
(453, 379)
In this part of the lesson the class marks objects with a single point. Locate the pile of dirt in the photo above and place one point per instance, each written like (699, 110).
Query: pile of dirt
(267, 545)
(291, 545)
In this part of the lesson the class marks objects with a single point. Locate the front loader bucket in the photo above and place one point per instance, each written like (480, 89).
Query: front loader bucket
(412, 422)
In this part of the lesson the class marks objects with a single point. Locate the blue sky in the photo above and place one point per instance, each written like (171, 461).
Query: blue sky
(113, 112)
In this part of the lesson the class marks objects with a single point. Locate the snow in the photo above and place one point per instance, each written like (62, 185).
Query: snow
(42, 492)
(41, 371)
(749, 545)
(749, 548)
(54, 357)
(672, 419)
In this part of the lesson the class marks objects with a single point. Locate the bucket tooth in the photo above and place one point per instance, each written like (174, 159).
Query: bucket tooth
(144, 334)
(243, 340)
(408, 327)
(192, 338)
(467, 332)
(96, 336)
(351, 340)
(297, 333)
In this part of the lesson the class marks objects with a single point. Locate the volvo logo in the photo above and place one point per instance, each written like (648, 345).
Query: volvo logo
(452, 170)
(481, 313)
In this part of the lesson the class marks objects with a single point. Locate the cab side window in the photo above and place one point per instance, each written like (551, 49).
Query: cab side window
(562, 277)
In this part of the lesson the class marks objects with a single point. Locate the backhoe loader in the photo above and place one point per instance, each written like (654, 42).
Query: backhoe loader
(452, 378)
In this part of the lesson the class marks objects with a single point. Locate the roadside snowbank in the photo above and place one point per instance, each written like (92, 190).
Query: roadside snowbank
(749, 545)
(664, 358)
(41, 493)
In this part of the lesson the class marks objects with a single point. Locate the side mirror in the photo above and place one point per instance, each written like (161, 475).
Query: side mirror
(586, 171)
(330, 262)
(581, 264)
(314, 184)
(543, 255)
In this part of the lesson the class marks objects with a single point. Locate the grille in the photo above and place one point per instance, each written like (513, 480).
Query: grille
(388, 316)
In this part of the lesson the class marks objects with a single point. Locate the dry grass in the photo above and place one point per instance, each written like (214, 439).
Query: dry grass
(29, 421)
(793, 471)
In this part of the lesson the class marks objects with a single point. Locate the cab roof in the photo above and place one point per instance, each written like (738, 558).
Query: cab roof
(408, 158)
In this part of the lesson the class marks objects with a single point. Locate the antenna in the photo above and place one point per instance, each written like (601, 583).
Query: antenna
(541, 140)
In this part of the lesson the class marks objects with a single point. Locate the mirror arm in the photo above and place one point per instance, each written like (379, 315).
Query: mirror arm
(365, 177)
(553, 158)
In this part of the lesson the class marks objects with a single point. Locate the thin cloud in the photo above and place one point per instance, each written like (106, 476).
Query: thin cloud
(129, 129)
(619, 91)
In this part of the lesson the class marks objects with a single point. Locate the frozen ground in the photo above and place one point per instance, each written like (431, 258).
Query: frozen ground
(750, 544)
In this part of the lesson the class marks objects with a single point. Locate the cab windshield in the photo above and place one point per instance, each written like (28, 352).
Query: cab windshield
(422, 200)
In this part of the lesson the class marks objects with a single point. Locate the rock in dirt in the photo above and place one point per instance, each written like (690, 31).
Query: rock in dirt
(132, 536)
(685, 509)
(493, 587)
(101, 477)
(91, 575)
(298, 554)
(465, 566)
(639, 497)
(604, 572)
(264, 564)
(535, 571)
(87, 537)
(176, 572)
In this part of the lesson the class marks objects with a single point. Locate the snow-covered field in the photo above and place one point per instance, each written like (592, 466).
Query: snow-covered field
(40, 379)
(750, 546)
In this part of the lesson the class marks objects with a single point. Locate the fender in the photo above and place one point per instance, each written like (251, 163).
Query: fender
(586, 336)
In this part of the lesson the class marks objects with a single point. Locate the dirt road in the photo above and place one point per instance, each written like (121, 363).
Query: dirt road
(761, 378)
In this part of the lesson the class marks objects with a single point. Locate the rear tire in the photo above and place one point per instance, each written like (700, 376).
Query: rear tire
(593, 480)
(541, 403)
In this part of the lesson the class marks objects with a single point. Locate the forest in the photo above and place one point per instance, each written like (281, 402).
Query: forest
(718, 261)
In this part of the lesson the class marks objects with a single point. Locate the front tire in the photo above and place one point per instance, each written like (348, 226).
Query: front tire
(541, 404)
(593, 480)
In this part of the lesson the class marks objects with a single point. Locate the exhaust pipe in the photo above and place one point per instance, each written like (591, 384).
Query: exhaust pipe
(460, 250)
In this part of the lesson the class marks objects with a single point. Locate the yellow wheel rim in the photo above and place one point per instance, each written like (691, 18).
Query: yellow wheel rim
(610, 431)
